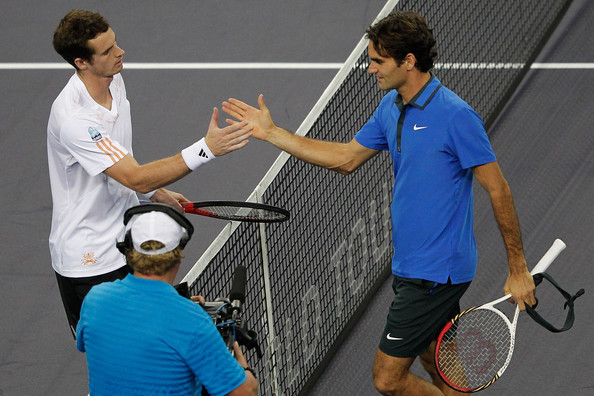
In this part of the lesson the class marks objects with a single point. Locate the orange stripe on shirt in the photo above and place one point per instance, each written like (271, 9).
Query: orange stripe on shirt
(108, 148)
(115, 149)
(100, 145)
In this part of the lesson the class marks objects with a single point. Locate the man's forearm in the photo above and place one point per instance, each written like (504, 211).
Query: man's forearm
(150, 176)
(316, 152)
(509, 226)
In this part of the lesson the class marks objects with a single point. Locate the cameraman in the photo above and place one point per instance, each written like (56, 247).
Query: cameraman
(141, 336)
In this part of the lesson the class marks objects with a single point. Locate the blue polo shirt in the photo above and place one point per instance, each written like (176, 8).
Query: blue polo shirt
(434, 140)
(142, 338)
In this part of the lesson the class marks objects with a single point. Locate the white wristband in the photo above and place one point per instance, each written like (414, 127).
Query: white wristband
(197, 154)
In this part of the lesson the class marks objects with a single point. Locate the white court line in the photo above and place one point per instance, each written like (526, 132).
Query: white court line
(479, 65)
(562, 66)
(286, 66)
(181, 66)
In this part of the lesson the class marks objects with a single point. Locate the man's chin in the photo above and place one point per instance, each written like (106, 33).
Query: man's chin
(381, 84)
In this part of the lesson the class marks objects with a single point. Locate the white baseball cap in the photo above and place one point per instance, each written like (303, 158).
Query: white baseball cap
(155, 226)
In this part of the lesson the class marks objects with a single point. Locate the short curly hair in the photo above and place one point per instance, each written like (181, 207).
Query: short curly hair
(71, 37)
(401, 33)
(157, 264)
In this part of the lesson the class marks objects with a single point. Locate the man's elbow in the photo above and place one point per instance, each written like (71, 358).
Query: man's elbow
(248, 388)
(346, 168)
(252, 386)
(141, 187)
(501, 195)
(143, 190)
(344, 171)
(500, 190)
(135, 182)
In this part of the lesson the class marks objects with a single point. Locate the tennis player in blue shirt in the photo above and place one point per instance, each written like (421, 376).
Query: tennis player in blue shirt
(438, 145)
(141, 337)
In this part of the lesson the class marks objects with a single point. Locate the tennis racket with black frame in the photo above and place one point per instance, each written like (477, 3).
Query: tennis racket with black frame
(474, 349)
(237, 211)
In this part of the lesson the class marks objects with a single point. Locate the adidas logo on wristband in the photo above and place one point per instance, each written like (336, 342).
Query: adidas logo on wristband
(197, 154)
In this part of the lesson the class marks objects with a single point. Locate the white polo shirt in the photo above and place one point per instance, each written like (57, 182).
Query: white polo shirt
(84, 139)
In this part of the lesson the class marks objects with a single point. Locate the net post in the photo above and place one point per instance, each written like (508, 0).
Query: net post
(257, 196)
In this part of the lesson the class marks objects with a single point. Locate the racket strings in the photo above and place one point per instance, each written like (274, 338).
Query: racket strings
(474, 349)
(241, 213)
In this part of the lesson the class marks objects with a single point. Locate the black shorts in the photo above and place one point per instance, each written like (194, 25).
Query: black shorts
(74, 290)
(417, 314)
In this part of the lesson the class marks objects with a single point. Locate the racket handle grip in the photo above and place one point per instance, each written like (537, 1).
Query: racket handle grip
(546, 260)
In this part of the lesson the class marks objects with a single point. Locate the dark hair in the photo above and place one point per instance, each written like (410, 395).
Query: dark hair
(401, 33)
(71, 38)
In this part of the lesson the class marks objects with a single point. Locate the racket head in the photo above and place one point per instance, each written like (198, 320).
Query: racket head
(474, 348)
(237, 211)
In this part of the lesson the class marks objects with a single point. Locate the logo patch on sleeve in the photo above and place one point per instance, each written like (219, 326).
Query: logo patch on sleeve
(95, 135)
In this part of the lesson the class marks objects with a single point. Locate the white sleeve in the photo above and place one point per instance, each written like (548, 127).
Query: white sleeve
(90, 145)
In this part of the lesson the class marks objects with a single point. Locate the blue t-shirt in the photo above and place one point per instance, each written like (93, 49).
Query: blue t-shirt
(434, 140)
(142, 338)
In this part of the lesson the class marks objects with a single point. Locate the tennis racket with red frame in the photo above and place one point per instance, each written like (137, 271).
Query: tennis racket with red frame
(237, 211)
(474, 349)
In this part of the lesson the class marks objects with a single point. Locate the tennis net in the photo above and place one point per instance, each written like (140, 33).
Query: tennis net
(309, 278)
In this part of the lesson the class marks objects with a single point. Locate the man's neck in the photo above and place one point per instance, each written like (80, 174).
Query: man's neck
(168, 277)
(163, 278)
(415, 82)
(98, 88)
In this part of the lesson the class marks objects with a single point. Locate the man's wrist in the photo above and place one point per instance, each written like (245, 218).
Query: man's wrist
(251, 370)
(197, 154)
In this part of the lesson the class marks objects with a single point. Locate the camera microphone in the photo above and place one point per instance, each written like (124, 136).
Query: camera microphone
(237, 294)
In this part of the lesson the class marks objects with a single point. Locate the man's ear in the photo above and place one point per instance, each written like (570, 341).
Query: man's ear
(410, 61)
(80, 63)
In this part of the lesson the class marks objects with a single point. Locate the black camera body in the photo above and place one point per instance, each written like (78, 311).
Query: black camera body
(226, 313)
(227, 319)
